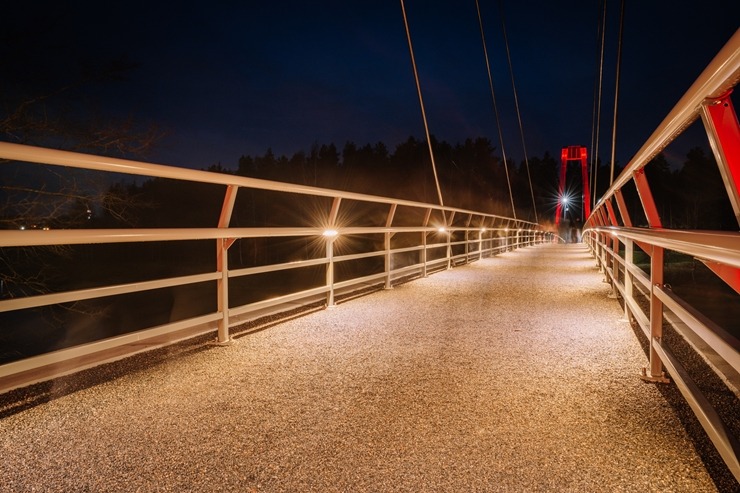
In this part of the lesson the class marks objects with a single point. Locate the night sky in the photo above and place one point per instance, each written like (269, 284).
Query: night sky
(228, 78)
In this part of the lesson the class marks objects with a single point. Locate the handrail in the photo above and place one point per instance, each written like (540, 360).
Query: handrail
(718, 246)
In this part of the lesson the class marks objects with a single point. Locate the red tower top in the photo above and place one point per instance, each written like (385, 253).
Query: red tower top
(573, 153)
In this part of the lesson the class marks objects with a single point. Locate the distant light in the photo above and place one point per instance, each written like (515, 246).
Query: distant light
(442, 229)
(483, 230)
(565, 199)
(506, 230)
(22, 228)
(330, 233)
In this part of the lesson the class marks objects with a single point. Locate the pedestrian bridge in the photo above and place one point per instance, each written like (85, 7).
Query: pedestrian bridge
(447, 349)
(513, 373)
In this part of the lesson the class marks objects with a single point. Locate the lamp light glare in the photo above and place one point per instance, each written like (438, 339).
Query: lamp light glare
(330, 233)
(442, 229)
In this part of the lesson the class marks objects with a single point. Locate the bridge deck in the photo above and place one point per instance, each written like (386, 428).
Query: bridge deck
(510, 374)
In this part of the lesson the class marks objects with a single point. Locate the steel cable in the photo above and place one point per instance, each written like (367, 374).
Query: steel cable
(616, 91)
(495, 109)
(516, 104)
(421, 102)
(598, 104)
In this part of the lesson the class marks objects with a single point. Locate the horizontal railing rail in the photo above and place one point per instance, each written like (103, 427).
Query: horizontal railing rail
(443, 237)
(613, 238)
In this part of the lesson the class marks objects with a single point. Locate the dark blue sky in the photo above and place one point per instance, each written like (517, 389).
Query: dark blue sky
(226, 78)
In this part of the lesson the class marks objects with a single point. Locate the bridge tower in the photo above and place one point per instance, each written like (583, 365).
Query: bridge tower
(572, 153)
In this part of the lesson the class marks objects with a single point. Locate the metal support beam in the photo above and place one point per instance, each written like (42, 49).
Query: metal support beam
(646, 198)
(720, 121)
(729, 274)
(623, 211)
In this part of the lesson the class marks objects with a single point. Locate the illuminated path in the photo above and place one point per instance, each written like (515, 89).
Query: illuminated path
(510, 374)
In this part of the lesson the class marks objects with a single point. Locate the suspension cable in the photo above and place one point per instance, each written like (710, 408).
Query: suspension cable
(598, 111)
(516, 104)
(421, 102)
(616, 91)
(495, 109)
(593, 112)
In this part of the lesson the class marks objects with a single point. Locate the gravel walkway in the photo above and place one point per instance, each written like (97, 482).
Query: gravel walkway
(510, 374)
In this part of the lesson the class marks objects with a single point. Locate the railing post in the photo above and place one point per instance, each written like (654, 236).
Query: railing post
(330, 235)
(467, 239)
(629, 249)
(424, 244)
(388, 235)
(615, 266)
(448, 232)
(655, 373)
(480, 243)
(222, 288)
(222, 265)
(330, 271)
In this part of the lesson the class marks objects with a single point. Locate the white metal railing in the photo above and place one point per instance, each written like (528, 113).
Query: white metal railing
(445, 237)
(610, 234)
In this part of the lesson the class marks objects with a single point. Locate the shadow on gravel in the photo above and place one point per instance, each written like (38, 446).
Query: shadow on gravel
(18, 400)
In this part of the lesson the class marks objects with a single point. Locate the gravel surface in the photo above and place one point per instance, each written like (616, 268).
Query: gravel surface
(511, 374)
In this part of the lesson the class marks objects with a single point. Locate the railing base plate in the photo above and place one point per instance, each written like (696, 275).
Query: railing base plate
(227, 342)
(654, 378)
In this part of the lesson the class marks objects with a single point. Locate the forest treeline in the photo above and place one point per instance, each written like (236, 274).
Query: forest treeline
(472, 176)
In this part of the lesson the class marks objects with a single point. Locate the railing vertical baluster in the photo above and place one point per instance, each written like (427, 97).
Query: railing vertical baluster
(222, 260)
(480, 243)
(448, 232)
(427, 215)
(387, 245)
(629, 249)
(655, 373)
(333, 215)
(330, 272)
(222, 264)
